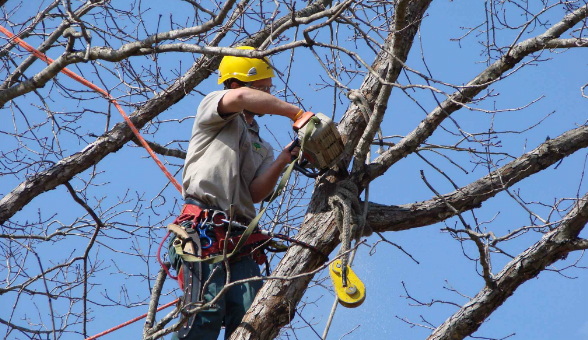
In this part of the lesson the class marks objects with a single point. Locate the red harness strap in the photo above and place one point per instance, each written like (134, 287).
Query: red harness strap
(195, 214)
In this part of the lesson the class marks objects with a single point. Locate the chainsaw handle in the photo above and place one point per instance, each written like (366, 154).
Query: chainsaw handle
(308, 173)
(295, 143)
(300, 165)
(305, 171)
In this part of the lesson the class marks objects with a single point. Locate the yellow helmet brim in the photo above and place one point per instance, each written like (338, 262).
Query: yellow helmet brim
(244, 69)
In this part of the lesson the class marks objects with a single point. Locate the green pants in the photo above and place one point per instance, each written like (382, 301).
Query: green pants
(232, 306)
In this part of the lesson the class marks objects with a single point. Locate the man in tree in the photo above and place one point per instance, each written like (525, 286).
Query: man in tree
(228, 164)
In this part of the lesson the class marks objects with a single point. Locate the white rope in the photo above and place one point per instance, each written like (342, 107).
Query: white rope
(349, 216)
(347, 192)
(359, 99)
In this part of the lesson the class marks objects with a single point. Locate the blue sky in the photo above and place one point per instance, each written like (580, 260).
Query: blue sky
(549, 307)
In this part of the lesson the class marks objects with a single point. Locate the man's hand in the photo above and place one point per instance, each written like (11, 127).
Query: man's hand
(287, 155)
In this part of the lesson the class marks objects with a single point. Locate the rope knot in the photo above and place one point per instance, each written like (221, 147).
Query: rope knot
(350, 222)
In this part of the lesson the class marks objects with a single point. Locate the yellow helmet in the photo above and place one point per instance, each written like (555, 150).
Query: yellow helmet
(244, 69)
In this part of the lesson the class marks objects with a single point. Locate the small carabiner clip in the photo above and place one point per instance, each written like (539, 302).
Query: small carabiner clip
(202, 234)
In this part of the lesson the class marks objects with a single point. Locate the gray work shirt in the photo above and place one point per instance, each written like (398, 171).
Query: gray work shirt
(224, 156)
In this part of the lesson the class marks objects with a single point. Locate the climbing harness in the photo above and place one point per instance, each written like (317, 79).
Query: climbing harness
(201, 235)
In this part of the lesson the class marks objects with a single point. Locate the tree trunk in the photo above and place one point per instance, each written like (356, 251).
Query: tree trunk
(276, 303)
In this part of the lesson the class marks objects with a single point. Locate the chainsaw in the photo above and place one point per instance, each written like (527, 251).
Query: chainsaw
(323, 146)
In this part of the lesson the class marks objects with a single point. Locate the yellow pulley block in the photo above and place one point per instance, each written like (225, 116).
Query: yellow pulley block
(354, 294)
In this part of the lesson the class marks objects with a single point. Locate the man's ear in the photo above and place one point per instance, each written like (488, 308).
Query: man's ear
(234, 85)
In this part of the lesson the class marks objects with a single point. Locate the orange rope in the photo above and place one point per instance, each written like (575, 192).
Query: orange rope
(130, 321)
(74, 76)
(78, 78)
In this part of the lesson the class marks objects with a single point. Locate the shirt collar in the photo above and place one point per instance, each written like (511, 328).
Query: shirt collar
(254, 127)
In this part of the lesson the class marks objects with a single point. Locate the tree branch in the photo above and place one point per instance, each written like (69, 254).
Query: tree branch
(99, 225)
(482, 248)
(47, 43)
(396, 218)
(552, 247)
(27, 330)
(493, 73)
(154, 301)
(567, 43)
(162, 150)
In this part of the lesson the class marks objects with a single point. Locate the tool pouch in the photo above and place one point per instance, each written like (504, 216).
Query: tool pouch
(190, 273)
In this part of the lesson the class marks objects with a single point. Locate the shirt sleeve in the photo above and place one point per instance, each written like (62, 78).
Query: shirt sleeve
(208, 117)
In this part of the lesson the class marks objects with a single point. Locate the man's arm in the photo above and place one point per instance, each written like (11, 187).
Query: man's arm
(264, 184)
(256, 101)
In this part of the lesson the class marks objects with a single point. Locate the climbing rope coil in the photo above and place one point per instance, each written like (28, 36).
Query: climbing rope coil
(351, 224)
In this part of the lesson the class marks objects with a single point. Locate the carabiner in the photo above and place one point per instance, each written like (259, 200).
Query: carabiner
(202, 234)
(222, 214)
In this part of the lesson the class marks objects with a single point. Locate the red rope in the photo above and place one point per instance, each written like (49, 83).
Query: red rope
(171, 178)
(159, 258)
(78, 78)
(130, 321)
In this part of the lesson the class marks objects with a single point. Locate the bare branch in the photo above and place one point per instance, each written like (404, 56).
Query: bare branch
(483, 80)
(554, 246)
(395, 218)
